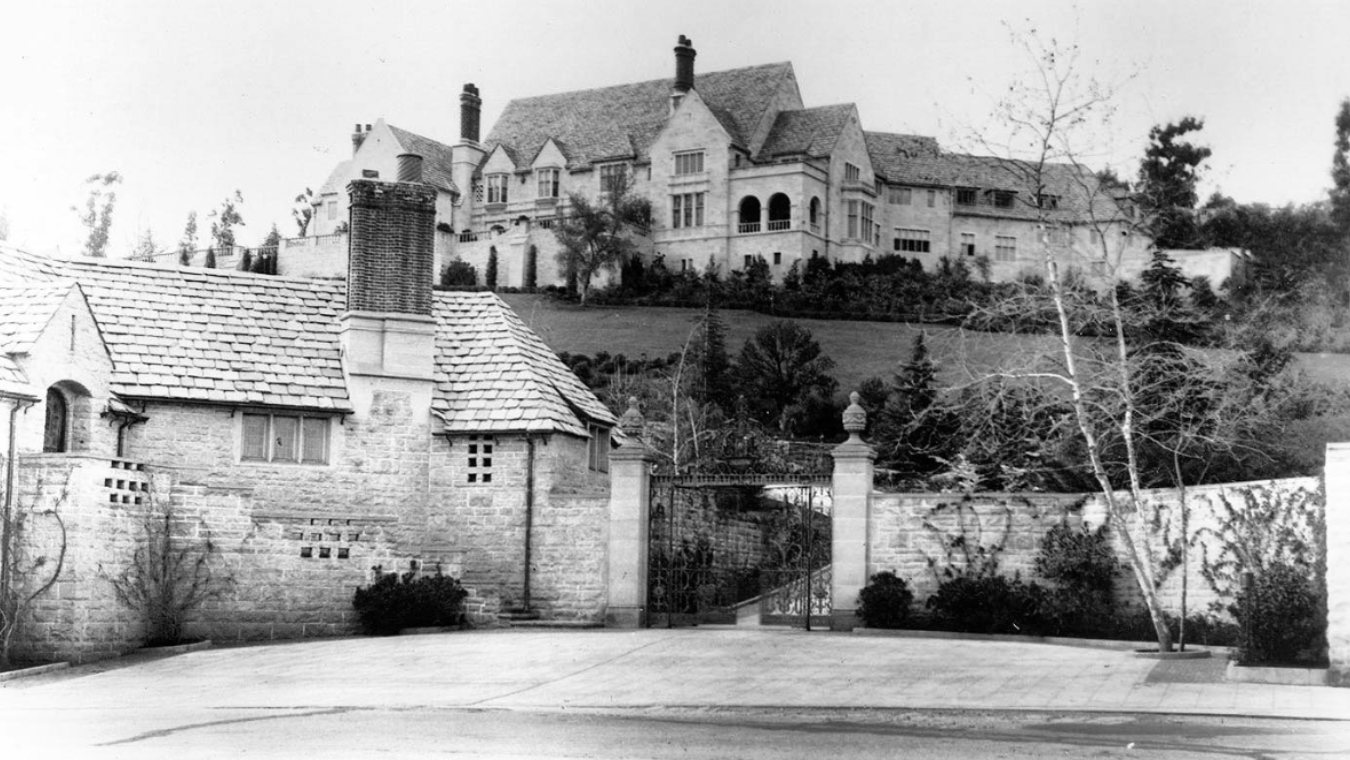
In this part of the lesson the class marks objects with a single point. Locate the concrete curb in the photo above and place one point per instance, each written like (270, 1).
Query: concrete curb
(1279, 676)
(1063, 641)
(175, 648)
(37, 670)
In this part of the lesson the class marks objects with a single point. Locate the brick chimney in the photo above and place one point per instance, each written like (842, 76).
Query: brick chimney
(684, 65)
(470, 109)
(388, 329)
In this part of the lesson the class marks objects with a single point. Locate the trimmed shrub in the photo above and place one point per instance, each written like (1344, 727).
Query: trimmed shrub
(1083, 566)
(988, 604)
(1279, 619)
(458, 275)
(394, 602)
(885, 601)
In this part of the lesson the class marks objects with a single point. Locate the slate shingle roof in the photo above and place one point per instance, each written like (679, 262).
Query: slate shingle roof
(218, 336)
(493, 374)
(1080, 195)
(904, 159)
(623, 120)
(810, 131)
(18, 266)
(13, 381)
(437, 166)
(25, 311)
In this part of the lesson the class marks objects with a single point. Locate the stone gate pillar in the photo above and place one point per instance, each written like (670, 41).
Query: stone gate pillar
(852, 512)
(1338, 562)
(629, 509)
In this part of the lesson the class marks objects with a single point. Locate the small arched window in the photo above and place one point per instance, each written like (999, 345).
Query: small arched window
(55, 437)
(780, 212)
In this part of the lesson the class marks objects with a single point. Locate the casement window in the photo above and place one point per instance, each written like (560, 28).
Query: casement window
(851, 173)
(968, 243)
(860, 225)
(290, 438)
(913, 241)
(497, 186)
(1005, 248)
(853, 219)
(689, 163)
(597, 449)
(868, 229)
(548, 183)
(612, 177)
(965, 196)
(478, 463)
(1003, 198)
(686, 210)
(900, 196)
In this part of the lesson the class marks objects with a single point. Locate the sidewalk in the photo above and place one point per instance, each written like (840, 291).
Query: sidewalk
(614, 670)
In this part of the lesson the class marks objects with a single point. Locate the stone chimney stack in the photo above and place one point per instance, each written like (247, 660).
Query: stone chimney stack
(470, 108)
(388, 329)
(684, 65)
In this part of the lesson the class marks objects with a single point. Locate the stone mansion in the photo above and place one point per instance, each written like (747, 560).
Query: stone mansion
(736, 166)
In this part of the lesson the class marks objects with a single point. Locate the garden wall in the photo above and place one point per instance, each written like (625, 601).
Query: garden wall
(917, 535)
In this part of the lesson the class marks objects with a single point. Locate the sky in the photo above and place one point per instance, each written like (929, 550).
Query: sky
(190, 100)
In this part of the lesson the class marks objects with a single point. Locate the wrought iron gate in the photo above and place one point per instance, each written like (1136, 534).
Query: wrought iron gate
(749, 548)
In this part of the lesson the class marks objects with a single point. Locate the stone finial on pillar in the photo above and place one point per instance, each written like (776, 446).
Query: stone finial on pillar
(855, 418)
(632, 423)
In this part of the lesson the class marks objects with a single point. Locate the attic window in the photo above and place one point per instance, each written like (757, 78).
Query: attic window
(612, 177)
(965, 196)
(1003, 198)
(851, 173)
(479, 461)
(1047, 201)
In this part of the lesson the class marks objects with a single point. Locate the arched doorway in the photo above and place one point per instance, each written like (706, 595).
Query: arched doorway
(749, 214)
(56, 433)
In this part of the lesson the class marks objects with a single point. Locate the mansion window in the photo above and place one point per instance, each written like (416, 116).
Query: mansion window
(686, 210)
(689, 163)
(612, 177)
(479, 463)
(597, 451)
(968, 243)
(496, 188)
(913, 241)
(1005, 248)
(965, 196)
(294, 438)
(900, 196)
(1003, 198)
(851, 173)
(548, 183)
(860, 224)
(1057, 236)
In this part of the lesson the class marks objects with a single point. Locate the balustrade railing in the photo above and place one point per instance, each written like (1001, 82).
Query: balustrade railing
(745, 227)
(777, 225)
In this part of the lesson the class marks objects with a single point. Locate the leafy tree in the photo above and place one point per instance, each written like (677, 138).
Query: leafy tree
(458, 275)
(1168, 174)
(597, 236)
(223, 222)
(1340, 172)
(189, 242)
(98, 210)
(782, 371)
(303, 210)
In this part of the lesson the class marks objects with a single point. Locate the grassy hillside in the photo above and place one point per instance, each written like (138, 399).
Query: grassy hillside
(859, 349)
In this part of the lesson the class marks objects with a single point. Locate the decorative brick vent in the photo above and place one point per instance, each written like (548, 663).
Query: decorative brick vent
(480, 458)
(126, 483)
(327, 537)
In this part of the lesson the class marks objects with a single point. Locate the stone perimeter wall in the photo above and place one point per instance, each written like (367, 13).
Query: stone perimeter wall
(907, 530)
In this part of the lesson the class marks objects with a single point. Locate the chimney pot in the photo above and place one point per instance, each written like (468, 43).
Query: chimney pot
(358, 137)
(684, 65)
(409, 167)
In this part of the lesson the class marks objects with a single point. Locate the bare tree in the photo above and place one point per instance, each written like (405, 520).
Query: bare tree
(98, 210)
(29, 566)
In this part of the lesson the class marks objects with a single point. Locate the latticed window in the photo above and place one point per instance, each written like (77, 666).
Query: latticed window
(689, 163)
(548, 183)
(913, 241)
(1005, 248)
(965, 196)
(293, 438)
(496, 188)
(686, 210)
(1003, 198)
(479, 461)
(612, 177)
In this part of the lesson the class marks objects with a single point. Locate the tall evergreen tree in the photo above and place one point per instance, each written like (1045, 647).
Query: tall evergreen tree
(1168, 174)
(1340, 172)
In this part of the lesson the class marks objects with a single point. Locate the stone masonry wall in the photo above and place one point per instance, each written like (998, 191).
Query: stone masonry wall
(908, 531)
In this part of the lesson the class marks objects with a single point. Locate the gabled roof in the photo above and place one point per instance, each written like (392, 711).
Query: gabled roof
(217, 336)
(622, 121)
(437, 163)
(904, 159)
(493, 374)
(810, 131)
(337, 179)
(19, 266)
(26, 310)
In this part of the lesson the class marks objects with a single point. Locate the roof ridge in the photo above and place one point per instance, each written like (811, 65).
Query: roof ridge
(155, 266)
(648, 82)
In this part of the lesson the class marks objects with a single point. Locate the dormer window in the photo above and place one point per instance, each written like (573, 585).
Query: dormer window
(1047, 201)
(496, 188)
(690, 162)
(612, 177)
(548, 183)
(965, 196)
(1003, 198)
